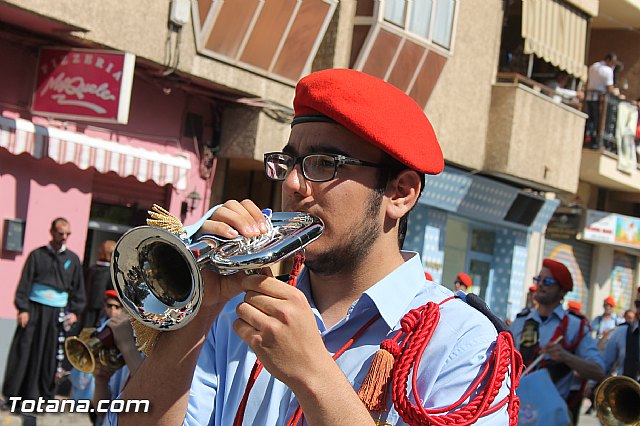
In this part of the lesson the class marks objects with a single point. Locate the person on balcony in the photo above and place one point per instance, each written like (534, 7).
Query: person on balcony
(562, 93)
(600, 81)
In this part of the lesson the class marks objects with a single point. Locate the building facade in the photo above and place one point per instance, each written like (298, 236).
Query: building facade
(211, 92)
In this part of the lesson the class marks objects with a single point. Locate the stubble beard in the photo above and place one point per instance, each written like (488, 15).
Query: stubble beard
(347, 255)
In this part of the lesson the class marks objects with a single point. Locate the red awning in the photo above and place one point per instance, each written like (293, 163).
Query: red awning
(19, 136)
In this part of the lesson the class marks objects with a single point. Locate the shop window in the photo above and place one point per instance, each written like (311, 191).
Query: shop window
(431, 20)
(524, 209)
(483, 241)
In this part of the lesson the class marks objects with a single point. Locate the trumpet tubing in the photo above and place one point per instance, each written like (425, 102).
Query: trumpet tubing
(157, 274)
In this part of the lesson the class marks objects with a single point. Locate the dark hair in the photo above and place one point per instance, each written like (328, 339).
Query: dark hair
(391, 170)
(611, 57)
(55, 221)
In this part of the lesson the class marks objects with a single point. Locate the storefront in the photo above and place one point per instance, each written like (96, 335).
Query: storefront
(473, 224)
(616, 257)
(100, 174)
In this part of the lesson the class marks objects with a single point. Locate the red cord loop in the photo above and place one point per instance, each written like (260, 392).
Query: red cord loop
(391, 346)
(418, 327)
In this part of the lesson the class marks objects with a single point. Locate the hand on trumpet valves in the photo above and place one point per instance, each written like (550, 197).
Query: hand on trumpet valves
(233, 218)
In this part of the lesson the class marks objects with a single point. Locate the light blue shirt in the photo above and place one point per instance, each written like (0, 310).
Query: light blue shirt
(586, 350)
(616, 349)
(600, 324)
(462, 342)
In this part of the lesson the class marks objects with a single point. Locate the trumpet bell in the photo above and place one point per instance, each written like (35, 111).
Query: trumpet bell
(157, 274)
(153, 273)
(90, 346)
(617, 401)
(80, 355)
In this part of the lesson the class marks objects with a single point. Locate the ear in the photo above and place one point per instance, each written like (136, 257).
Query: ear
(402, 192)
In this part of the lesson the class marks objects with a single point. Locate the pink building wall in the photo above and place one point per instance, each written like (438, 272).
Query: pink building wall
(38, 195)
(40, 190)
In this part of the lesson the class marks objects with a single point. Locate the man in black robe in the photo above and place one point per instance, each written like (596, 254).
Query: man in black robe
(49, 298)
(97, 281)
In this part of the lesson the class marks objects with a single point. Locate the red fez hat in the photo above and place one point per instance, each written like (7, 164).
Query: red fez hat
(111, 293)
(533, 288)
(572, 305)
(560, 272)
(609, 301)
(428, 276)
(373, 109)
(464, 279)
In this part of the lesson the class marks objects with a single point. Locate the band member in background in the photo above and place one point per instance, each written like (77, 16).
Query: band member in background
(535, 330)
(49, 297)
(463, 282)
(622, 353)
(603, 325)
(356, 158)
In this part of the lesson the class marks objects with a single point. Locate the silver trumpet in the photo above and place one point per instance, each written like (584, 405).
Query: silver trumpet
(157, 274)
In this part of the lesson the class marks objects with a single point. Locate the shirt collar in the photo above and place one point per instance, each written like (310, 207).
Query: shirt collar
(393, 294)
(559, 312)
(62, 248)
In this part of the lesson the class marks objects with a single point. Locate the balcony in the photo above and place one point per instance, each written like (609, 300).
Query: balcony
(609, 157)
(533, 138)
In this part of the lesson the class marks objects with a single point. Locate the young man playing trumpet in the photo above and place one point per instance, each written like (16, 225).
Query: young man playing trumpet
(355, 158)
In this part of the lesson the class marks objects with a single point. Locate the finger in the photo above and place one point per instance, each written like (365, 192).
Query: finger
(256, 213)
(236, 215)
(252, 316)
(218, 228)
(269, 286)
(268, 305)
(247, 333)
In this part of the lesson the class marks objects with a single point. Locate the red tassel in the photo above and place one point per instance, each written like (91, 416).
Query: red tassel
(373, 391)
(298, 261)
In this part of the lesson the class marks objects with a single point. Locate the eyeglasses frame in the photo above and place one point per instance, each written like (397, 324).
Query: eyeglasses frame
(339, 160)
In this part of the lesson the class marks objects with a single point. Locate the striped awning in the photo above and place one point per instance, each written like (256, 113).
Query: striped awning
(557, 33)
(22, 136)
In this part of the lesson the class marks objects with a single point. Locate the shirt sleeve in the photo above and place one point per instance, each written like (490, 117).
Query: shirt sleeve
(611, 351)
(588, 350)
(204, 386)
(450, 369)
(77, 299)
(608, 76)
(462, 369)
(26, 281)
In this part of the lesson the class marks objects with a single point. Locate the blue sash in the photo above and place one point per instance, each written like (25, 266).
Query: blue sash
(49, 296)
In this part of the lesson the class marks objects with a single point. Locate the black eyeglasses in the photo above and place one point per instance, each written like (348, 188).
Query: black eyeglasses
(315, 167)
(545, 281)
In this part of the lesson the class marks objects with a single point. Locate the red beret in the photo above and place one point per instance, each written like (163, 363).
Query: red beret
(464, 279)
(428, 276)
(560, 272)
(533, 288)
(111, 293)
(572, 305)
(609, 301)
(376, 111)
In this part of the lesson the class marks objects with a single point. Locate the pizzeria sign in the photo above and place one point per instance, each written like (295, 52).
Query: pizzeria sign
(84, 84)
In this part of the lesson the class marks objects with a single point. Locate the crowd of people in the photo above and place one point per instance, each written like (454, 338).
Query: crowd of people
(340, 344)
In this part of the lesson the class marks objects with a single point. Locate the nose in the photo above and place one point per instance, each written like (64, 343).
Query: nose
(295, 182)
